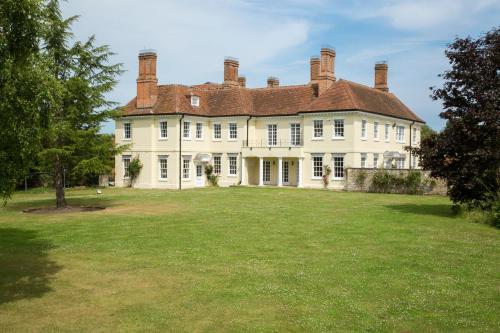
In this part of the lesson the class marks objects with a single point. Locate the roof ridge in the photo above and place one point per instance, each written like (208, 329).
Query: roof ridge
(349, 93)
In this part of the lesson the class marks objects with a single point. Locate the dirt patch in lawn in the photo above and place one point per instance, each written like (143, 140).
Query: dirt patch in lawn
(67, 209)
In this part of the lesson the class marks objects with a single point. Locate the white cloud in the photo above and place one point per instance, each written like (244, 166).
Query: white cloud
(421, 15)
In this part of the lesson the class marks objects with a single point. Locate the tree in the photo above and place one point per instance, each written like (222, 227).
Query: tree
(83, 76)
(426, 132)
(467, 152)
(25, 88)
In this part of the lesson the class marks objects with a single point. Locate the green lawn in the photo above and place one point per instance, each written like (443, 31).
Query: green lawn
(246, 260)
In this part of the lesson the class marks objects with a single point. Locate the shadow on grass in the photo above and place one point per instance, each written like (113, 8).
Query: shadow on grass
(440, 210)
(25, 267)
(79, 201)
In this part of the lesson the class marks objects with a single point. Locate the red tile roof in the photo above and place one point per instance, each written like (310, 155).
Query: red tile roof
(219, 100)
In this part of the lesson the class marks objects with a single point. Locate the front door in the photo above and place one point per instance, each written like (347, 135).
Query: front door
(200, 181)
(267, 172)
(286, 178)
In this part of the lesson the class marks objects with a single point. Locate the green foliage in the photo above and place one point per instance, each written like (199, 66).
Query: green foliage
(360, 179)
(212, 178)
(387, 182)
(26, 88)
(134, 169)
(425, 132)
(467, 152)
(326, 175)
(83, 76)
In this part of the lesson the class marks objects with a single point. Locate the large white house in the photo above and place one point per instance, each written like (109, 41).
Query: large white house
(276, 135)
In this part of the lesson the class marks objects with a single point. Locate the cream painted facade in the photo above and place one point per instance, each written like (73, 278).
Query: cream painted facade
(179, 159)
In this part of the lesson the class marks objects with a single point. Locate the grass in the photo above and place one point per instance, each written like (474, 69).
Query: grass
(246, 260)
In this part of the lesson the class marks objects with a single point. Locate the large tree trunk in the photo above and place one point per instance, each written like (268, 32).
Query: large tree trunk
(59, 185)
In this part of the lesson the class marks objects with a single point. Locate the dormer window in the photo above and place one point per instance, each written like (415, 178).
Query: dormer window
(195, 100)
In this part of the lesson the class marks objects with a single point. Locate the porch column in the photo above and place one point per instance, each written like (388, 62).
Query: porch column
(299, 171)
(244, 180)
(261, 171)
(280, 171)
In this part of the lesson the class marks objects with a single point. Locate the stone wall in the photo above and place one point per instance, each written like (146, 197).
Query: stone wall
(352, 180)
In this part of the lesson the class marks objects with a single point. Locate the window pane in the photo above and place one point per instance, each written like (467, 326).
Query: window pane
(233, 131)
(186, 132)
(338, 167)
(295, 134)
(338, 128)
(199, 130)
(272, 138)
(318, 166)
(318, 128)
(233, 165)
(217, 131)
(217, 164)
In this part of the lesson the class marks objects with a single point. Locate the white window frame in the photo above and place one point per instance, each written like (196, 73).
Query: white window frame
(199, 130)
(195, 100)
(400, 162)
(232, 131)
(318, 128)
(414, 136)
(266, 177)
(342, 128)
(232, 169)
(335, 166)
(400, 134)
(163, 130)
(184, 160)
(215, 132)
(199, 167)
(126, 173)
(375, 160)
(217, 165)
(387, 132)
(375, 131)
(186, 129)
(314, 167)
(364, 129)
(414, 161)
(295, 135)
(272, 135)
(160, 167)
(129, 137)
(362, 163)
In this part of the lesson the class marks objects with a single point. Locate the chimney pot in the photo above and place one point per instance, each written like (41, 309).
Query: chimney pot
(381, 69)
(147, 82)
(231, 71)
(242, 81)
(273, 82)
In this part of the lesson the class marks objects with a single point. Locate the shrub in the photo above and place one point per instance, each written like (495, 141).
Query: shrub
(387, 182)
(326, 175)
(360, 179)
(212, 178)
(134, 169)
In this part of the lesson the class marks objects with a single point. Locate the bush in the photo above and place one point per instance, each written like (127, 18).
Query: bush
(360, 179)
(326, 175)
(134, 169)
(386, 182)
(212, 178)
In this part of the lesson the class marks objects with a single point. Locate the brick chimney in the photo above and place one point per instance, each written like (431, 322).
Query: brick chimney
(315, 66)
(242, 81)
(231, 71)
(147, 82)
(381, 68)
(326, 74)
(273, 82)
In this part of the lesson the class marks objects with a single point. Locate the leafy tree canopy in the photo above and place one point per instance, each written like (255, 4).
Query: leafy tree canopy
(467, 152)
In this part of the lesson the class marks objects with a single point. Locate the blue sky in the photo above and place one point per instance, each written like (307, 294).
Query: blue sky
(277, 38)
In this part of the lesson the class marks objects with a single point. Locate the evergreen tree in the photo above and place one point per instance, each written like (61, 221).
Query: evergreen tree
(83, 76)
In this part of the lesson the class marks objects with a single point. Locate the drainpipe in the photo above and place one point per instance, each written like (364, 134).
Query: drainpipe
(180, 151)
(248, 120)
(411, 135)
